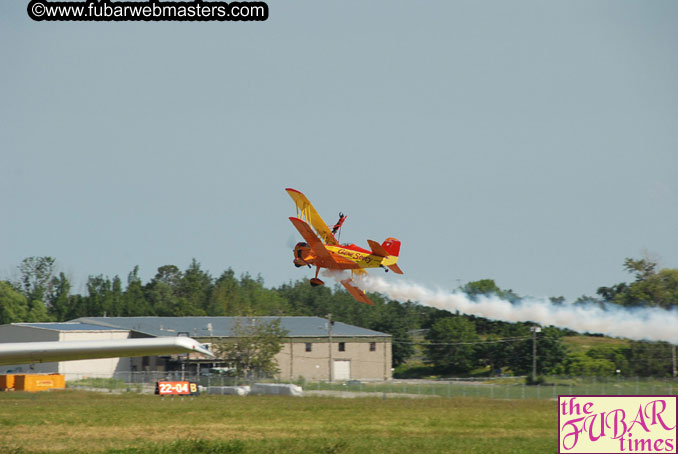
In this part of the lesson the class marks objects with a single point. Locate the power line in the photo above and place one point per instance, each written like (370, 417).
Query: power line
(495, 341)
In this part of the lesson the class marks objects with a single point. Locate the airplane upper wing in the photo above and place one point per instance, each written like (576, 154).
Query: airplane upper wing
(307, 212)
(41, 352)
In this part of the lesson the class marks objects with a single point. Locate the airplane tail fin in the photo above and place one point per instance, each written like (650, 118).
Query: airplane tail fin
(389, 248)
(392, 246)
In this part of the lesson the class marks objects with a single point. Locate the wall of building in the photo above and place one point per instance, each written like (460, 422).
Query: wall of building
(104, 367)
(363, 364)
(21, 333)
(73, 370)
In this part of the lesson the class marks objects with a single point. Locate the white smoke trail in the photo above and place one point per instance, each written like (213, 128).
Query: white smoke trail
(638, 323)
(337, 275)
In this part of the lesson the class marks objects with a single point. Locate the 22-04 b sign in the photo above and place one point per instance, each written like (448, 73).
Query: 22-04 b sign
(176, 388)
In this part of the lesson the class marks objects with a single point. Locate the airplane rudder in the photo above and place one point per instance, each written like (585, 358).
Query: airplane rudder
(392, 246)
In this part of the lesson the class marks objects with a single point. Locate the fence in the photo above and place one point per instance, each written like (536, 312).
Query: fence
(499, 388)
(506, 388)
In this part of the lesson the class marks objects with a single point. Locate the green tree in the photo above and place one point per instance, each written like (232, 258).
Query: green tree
(134, 302)
(115, 301)
(392, 319)
(551, 351)
(617, 355)
(104, 296)
(643, 268)
(165, 303)
(170, 275)
(195, 287)
(650, 288)
(487, 287)
(494, 352)
(452, 344)
(261, 300)
(225, 299)
(36, 277)
(98, 298)
(649, 359)
(13, 305)
(583, 365)
(253, 347)
(169, 296)
(59, 298)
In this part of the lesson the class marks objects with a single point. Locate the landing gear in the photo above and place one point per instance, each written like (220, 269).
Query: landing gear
(316, 282)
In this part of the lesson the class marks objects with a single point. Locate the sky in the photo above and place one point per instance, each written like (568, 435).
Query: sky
(534, 143)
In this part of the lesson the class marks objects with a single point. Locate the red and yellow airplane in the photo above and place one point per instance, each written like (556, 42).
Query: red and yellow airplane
(322, 250)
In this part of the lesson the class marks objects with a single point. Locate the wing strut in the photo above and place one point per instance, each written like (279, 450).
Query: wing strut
(310, 215)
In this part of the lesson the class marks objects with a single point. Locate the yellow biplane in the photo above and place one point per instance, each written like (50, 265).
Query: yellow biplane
(322, 250)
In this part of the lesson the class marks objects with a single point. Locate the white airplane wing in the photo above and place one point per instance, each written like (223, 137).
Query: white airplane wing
(41, 352)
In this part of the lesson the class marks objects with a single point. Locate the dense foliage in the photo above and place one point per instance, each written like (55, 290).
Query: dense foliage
(251, 353)
(450, 343)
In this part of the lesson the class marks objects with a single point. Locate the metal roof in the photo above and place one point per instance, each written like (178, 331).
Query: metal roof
(70, 326)
(224, 326)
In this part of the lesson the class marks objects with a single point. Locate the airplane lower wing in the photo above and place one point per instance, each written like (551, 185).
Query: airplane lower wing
(41, 352)
(356, 292)
(395, 268)
(314, 242)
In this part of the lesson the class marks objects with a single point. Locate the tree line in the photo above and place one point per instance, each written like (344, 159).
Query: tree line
(450, 343)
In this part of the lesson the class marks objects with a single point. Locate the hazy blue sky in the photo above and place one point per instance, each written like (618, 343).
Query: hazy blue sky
(532, 142)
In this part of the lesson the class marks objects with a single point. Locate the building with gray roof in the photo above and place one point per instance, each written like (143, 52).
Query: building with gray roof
(313, 348)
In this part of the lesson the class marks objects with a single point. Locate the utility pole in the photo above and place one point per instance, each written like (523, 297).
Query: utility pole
(535, 330)
(329, 334)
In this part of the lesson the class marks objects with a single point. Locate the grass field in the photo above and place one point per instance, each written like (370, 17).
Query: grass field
(581, 344)
(83, 422)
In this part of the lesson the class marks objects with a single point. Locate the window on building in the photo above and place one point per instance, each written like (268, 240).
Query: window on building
(373, 346)
(342, 346)
(309, 346)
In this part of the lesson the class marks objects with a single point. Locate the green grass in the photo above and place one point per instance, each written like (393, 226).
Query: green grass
(83, 422)
(581, 344)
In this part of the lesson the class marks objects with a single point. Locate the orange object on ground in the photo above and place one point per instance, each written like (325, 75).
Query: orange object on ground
(7, 382)
(39, 382)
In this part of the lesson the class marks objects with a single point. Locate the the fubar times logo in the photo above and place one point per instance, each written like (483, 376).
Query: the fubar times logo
(617, 424)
